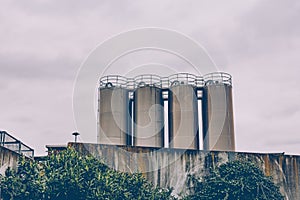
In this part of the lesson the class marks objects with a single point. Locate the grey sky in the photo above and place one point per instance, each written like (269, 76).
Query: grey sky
(43, 43)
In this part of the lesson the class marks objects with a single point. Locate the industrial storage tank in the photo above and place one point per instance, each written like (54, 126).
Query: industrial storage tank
(183, 112)
(114, 114)
(148, 112)
(218, 129)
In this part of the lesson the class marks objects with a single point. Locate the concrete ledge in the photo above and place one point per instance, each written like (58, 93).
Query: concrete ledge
(8, 158)
(167, 167)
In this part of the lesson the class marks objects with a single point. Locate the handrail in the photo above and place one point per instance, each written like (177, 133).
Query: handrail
(143, 80)
(113, 81)
(218, 78)
(147, 80)
(10, 142)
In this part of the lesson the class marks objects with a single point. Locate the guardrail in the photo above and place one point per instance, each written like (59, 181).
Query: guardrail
(165, 82)
(11, 143)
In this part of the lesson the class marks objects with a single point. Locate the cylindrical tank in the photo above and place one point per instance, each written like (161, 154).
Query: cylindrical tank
(218, 128)
(183, 112)
(148, 112)
(114, 114)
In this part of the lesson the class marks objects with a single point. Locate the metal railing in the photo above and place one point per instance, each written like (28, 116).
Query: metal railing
(185, 79)
(147, 80)
(11, 143)
(165, 82)
(113, 81)
(218, 78)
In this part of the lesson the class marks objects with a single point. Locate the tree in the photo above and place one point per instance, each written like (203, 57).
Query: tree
(69, 175)
(232, 181)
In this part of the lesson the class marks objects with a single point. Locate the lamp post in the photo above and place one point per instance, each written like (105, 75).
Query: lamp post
(75, 134)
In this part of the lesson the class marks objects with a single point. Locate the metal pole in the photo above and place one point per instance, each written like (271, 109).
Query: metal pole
(75, 134)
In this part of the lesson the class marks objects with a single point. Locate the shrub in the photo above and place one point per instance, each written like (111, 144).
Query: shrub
(234, 180)
(69, 175)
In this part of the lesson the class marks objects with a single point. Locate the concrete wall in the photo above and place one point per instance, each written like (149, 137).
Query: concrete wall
(8, 158)
(171, 167)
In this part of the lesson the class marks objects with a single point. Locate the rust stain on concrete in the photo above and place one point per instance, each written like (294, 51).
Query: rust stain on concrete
(267, 165)
(283, 168)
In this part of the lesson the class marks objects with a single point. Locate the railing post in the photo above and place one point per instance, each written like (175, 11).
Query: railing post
(20, 147)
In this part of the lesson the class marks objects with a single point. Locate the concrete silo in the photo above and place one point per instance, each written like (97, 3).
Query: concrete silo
(218, 128)
(131, 111)
(114, 114)
(183, 112)
(148, 112)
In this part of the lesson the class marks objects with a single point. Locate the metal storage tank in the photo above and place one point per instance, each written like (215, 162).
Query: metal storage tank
(114, 117)
(183, 112)
(148, 112)
(218, 128)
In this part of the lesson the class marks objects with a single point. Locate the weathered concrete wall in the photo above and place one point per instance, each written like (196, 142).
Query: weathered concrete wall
(171, 167)
(8, 158)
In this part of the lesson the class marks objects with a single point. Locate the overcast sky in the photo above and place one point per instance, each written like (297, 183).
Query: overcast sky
(43, 43)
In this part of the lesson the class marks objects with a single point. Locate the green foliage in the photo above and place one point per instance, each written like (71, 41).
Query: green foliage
(68, 175)
(232, 181)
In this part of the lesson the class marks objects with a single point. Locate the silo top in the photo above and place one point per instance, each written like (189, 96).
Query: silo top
(218, 78)
(152, 80)
(147, 80)
(185, 79)
(113, 81)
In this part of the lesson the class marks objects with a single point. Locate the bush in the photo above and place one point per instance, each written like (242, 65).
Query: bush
(234, 180)
(69, 175)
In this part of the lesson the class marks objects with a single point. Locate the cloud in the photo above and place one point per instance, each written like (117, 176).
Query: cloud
(44, 42)
(268, 28)
(29, 67)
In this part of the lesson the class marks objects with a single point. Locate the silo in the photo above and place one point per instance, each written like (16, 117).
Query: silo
(148, 112)
(218, 128)
(114, 115)
(183, 112)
